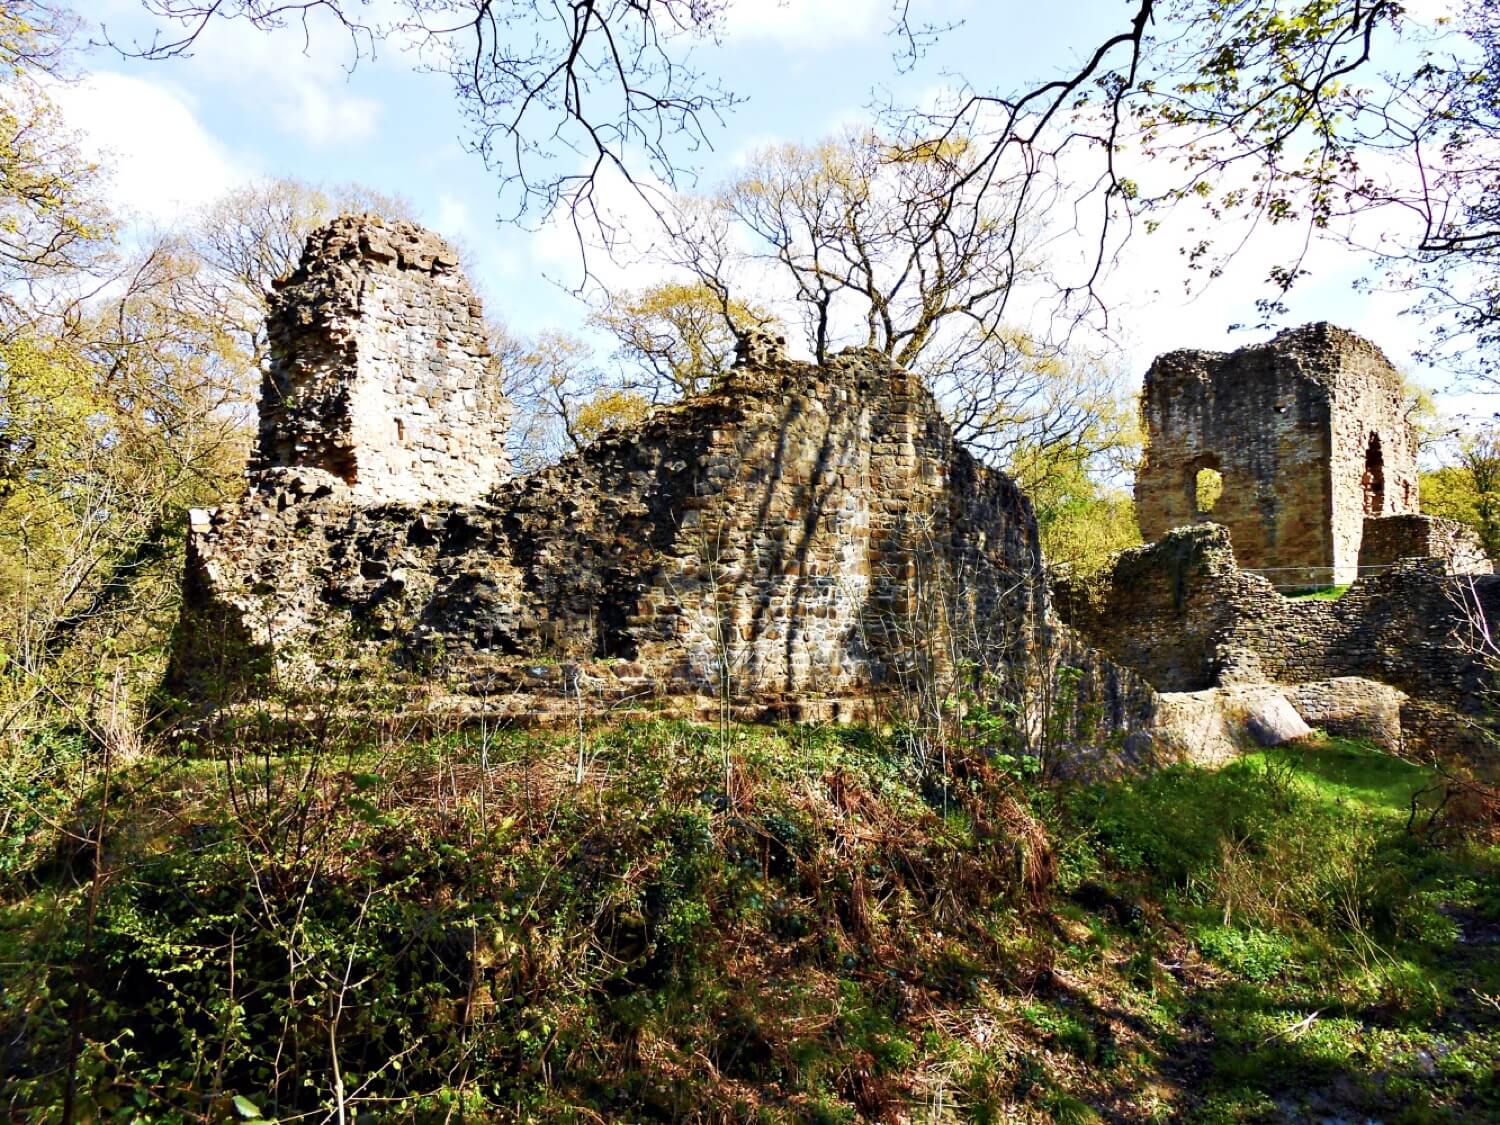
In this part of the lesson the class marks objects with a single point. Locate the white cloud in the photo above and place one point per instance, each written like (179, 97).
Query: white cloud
(160, 159)
(303, 83)
(624, 254)
(805, 24)
(311, 108)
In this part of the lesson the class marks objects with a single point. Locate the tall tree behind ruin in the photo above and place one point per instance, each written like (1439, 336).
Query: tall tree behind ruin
(1468, 487)
(879, 247)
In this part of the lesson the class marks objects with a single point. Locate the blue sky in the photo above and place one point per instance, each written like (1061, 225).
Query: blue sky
(248, 104)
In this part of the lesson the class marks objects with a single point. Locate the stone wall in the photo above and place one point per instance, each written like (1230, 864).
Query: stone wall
(381, 371)
(1389, 540)
(1181, 614)
(1289, 426)
(800, 540)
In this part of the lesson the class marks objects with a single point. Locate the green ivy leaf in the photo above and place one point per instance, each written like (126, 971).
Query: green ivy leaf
(245, 1107)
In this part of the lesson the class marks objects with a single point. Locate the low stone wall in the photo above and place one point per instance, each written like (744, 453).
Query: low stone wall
(1181, 614)
(1389, 540)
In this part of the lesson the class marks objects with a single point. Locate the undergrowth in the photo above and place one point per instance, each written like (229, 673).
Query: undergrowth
(659, 921)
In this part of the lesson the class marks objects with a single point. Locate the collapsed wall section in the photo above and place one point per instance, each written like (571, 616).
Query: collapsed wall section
(1183, 615)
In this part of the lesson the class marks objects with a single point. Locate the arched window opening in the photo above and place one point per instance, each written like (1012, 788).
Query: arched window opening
(1373, 481)
(1208, 486)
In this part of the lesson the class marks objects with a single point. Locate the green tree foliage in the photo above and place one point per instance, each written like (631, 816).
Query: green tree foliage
(1468, 490)
(1082, 521)
(675, 338)
(126, 379)
(606, 410)
(52, 223)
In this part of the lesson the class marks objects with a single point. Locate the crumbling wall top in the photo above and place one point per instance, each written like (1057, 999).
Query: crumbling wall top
(759, 348)
(352, 239)
(1321, 353)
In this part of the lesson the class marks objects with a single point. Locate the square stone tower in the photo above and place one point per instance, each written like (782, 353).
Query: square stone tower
(381, 371)
(1289, 444)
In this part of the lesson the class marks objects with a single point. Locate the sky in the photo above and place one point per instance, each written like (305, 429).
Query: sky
(246, 104)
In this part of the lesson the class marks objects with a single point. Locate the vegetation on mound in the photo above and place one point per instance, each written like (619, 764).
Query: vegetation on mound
(659, 921)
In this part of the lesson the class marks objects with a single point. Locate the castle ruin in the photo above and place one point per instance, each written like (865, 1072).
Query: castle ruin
(800, 540)
(381, 372)
(811, 541)
(1302, 438)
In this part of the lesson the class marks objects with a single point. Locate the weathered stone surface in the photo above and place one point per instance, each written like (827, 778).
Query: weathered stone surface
(1353, 707)
(1389, 540)
(1207, 728)
(1273, 721)
(1308, 434)
(798, 540)
(381, 372)
(1181, 614)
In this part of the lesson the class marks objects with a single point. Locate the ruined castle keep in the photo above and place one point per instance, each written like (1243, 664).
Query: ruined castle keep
(1307, 435)
(799, 540)
(381, 372)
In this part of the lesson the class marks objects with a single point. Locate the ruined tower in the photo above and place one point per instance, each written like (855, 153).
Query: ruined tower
(381, 371)
(1290, 444)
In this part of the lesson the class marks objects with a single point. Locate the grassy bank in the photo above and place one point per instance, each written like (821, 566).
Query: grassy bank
(667, 922)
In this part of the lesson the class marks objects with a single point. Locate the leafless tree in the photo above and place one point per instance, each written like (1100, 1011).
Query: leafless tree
(554, 92)
(879, 245)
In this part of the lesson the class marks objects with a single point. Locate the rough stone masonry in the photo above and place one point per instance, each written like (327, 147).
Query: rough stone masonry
(1318, 472)
(1308, 436)
(1183, 615)
(799, 540)
(381, 372)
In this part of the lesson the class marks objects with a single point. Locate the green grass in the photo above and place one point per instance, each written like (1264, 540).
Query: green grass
(1334, 955)
(1348, 771)
(665, 921)
(1321, 594)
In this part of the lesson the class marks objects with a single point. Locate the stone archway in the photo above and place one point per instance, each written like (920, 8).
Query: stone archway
(1204, 482)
